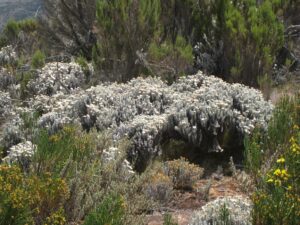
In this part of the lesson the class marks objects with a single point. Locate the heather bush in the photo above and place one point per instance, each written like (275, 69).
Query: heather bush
(125, 27)
(22, 35)
(38, 59)
(83, 63)
(24, 79)
(183, 174)
(92, 169)
(170, 60)
(159, 187)
(110, 211)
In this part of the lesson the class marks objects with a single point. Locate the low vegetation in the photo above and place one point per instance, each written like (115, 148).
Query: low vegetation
(82, 174)
(273, 158)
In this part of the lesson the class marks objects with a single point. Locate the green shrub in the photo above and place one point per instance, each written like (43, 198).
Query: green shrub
(53, 152)
(24, 79)
(170, 60)
(28, 25)
(274, 157)
(168, 220)
(38, 59)
(110, 211)
(29, 199)
(124, 27)
(159, 186)
(257, 34)
(11, 29)
(76, 156)
(224, 216)
(253, 153)
(82, 62)
(183, 174)
(278, 195)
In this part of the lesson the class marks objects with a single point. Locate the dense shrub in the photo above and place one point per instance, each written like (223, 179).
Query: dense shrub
(110, 211)
(21, 34)
(30, 199)
(84, 66)
(257, 34)
(92, 170)
(125, 27)
(38, 59)
(247, 33)
(277, 199)
(235, 210)
(170, 60)
(159, 187)
(183, 174)
(273, 157)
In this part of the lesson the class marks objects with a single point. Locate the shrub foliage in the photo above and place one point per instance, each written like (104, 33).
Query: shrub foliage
(274, 158)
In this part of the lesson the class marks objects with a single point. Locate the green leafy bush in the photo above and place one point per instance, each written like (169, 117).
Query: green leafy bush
(10, 33)
(183, 174)
(125, 27)
(274, 157)
(83, 64)
(24, 78)
(257, 34)
(11, 29)
(169, 60)
(159, 186)
(38, 59)
(110, 211)
(76, 156)
(54, 151)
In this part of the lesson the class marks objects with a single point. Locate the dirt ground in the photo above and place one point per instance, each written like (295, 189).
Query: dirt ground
(184, 203)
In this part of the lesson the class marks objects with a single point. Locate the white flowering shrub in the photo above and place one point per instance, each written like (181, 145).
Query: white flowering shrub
(20, 151)
(5, 104)
(196, 108)
(6, 79)
(57, 77)
(228, 210)
(8, 56)
(11, 132)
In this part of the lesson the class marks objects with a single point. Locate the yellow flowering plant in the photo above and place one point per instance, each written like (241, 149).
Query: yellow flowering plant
(277, 199)
(28, 199)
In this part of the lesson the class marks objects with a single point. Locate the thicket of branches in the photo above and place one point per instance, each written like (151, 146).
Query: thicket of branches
(236, 40)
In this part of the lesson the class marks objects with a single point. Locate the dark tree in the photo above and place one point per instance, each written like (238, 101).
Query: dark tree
(67, 25)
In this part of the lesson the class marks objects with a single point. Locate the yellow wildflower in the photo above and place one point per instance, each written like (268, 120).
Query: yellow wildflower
(292, 140)
(270, 180)
(281, 160)
(284, 172)
(277, 172)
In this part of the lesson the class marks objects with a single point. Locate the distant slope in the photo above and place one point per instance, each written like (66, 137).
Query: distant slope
(17, 9)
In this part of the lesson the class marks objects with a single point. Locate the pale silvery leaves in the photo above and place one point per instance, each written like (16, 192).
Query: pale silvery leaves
(8, 56)
(146, 110)
(235, 210)
(21, 151)
(57, 77)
